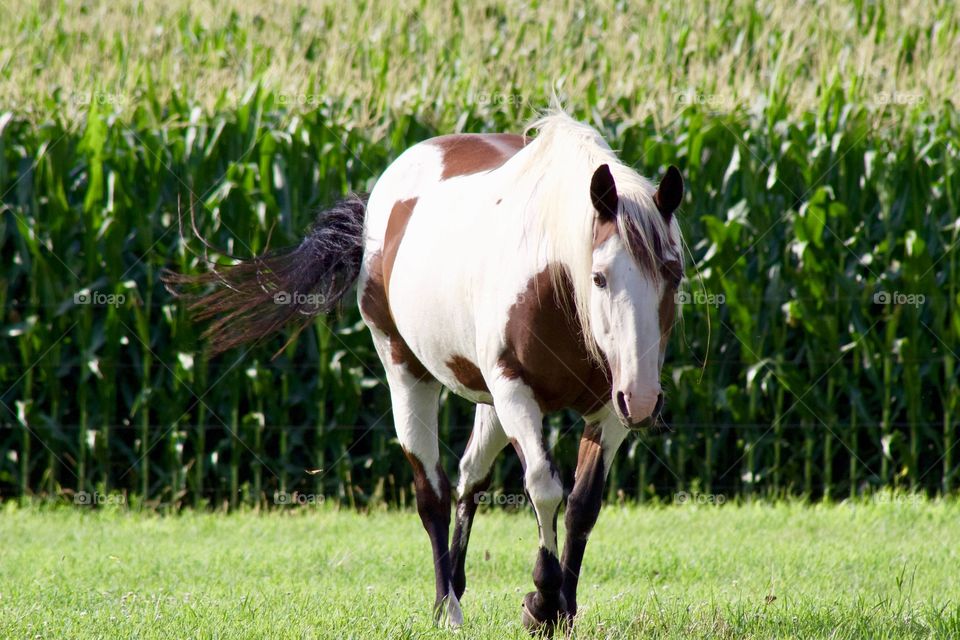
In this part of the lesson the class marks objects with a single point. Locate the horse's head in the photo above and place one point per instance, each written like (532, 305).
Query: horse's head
(632, 302)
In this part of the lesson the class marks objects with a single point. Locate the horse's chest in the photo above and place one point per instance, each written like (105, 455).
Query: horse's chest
(543, 347)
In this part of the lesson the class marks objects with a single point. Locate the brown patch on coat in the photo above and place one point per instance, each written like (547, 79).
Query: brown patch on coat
(647, 257)
(433, 506)
(376, 309)
(583, 508)
(591, 449)
(545, 349)
(468, 153)
(667, 310)
(667, 313)
(396, 225)
(672, 272)
(467, 374)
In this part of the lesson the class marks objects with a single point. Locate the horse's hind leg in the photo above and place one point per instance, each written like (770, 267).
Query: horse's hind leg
(415, 416)
(486, 441)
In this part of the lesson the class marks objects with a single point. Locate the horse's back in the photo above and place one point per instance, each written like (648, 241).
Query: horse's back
(434, 229)
(423, 167)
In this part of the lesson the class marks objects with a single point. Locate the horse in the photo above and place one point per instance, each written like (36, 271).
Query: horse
(528, 274)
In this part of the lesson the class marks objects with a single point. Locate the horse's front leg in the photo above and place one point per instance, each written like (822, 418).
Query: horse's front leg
(522, 422)
(599, 443)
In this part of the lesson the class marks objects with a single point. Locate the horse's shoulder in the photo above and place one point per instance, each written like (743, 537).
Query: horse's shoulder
(543, 347)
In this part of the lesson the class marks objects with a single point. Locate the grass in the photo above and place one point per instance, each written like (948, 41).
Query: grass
(819, 142)
(880, 569)
(819, 145)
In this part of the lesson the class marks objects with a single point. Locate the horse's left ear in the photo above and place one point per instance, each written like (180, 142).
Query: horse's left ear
(603, 193)
(670, 192)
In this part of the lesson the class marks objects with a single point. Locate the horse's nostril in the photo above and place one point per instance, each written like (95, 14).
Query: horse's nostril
(658, 406)
(622, 405)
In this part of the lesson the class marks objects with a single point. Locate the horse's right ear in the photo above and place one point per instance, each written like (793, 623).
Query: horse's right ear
(603, 194)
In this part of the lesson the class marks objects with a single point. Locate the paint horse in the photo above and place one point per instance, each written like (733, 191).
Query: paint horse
(527, 275)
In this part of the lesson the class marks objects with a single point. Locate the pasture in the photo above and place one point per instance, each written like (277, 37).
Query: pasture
(811, 383)
(883, 568)
(817, 344)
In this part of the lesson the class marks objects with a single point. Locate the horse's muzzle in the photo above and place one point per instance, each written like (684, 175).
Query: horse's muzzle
(642, 424)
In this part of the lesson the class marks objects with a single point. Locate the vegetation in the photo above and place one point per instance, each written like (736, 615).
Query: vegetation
(819, 142)
(877, 569)
(502, 59)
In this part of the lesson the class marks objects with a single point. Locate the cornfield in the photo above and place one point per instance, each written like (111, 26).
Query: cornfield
(817, 349)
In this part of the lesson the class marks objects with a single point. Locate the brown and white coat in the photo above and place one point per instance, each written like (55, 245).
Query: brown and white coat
(528, 275)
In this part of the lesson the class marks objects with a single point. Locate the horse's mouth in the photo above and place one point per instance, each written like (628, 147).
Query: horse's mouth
(653, 426)
(649, 424)
(643, 425)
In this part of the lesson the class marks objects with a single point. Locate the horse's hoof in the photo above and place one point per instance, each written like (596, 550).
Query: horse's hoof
(447, 612)
(539, 618)
(454, 612)
(566, 623)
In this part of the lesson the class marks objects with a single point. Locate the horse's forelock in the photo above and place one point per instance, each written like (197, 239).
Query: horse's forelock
(648, 239)
(564, 155)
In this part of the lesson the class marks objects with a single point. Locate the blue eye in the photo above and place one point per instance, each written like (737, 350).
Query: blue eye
(599, 280)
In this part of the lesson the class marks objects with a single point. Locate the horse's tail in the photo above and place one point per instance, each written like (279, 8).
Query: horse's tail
(260, 295)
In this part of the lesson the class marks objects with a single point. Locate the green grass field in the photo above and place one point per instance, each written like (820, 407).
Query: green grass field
(820, 144)
(881, 569)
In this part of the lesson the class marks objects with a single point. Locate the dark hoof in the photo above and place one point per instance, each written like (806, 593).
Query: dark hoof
(541, 618)
(566, 622)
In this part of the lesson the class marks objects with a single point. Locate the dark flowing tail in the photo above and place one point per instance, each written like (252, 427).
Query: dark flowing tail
(260, 295)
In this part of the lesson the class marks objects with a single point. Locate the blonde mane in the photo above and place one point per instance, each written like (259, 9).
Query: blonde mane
(562, 159)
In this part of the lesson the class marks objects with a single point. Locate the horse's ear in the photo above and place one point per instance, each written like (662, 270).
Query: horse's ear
(603, 193)
(669, 193)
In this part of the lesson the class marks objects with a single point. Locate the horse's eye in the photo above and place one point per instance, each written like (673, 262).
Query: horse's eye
(599, 280)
